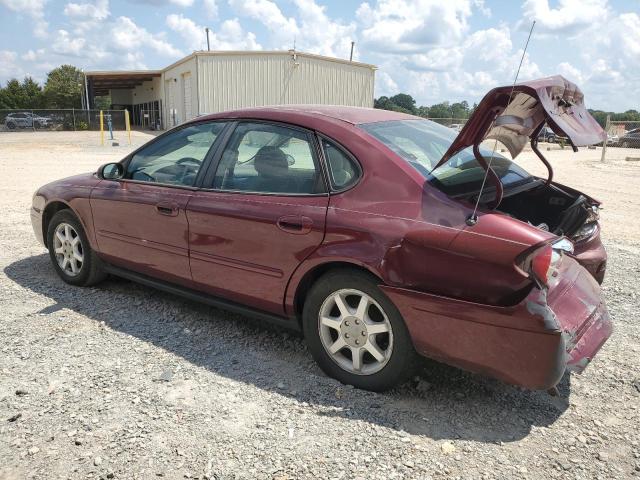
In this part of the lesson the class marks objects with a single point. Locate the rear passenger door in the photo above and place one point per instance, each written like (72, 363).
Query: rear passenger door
(261, 211)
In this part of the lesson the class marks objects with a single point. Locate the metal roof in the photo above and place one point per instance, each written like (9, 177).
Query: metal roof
(104, 80)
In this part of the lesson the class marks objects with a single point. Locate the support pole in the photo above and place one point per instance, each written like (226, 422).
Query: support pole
(351, 56)
(127, 124)
(604, 144)
(101, 128)
(86, 92)
(208, 45)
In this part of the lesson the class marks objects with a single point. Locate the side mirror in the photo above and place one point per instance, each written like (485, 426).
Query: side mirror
(111, 171)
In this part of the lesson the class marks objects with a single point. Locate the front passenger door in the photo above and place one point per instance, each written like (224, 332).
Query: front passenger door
(140, 220)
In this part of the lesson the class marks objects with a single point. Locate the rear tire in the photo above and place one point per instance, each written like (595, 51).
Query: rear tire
(356, 334)
(11, 125)
(625, 144)
(73, 258)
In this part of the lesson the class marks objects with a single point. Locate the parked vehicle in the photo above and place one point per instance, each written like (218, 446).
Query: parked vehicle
(351, 225)
(612, 139)
(26, 120)
(456, 126)
(547, 135)
(631, 139)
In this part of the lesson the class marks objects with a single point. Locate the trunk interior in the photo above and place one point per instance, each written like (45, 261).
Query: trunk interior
(550, 208)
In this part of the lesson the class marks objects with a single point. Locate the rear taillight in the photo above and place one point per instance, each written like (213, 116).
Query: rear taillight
(543, 263)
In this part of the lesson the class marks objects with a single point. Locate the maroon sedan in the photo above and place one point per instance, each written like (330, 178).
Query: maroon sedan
(380, 235)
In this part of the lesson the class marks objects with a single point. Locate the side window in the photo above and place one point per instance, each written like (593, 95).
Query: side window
(343, 171)
(176, 158)
(270, 159)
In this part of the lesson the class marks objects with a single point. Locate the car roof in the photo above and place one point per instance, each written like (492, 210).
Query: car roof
(352, 115)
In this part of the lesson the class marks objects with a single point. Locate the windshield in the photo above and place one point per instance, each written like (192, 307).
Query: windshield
(422, 144)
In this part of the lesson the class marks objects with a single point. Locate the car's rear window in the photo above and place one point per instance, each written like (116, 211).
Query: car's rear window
(422, 143)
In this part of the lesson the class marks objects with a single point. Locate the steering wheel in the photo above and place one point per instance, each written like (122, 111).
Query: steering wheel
(139, 171)
(184, 160)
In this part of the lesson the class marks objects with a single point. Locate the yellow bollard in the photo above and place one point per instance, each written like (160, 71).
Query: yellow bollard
(127, 123)
(101, 128)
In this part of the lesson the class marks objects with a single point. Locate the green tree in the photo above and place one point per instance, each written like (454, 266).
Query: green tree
(440, 110)
(25, 95)
(63, 88)
(405, 102)
(460, 110)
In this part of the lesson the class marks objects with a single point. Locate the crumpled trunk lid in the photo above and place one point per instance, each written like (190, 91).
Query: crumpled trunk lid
(512, 114)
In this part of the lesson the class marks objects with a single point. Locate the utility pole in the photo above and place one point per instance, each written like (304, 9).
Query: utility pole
(351, 56)
(208, 46)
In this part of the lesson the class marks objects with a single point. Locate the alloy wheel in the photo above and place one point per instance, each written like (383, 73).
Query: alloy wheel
(355, 332)
(67, 246)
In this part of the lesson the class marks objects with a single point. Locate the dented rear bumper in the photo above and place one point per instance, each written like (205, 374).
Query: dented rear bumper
(585, 345)
(530, 344)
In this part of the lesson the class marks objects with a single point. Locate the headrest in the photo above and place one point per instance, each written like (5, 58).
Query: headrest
(271, 162)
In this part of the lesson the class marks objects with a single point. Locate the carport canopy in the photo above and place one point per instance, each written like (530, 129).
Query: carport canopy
(100, 83)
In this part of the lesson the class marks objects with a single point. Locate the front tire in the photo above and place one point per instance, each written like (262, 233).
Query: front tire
(72, 256)
(356, 334)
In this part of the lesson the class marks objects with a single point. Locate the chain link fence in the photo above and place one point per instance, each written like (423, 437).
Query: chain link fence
(59, 120)
(623, 140)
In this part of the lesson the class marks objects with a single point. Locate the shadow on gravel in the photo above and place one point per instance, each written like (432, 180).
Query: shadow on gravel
(441, 403)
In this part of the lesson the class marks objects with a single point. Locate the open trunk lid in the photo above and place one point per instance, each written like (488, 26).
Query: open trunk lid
(513, 114)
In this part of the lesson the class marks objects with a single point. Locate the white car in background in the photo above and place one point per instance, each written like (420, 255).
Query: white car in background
(26, 120)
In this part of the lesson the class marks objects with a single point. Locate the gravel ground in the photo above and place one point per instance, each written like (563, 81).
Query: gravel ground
(121, 381)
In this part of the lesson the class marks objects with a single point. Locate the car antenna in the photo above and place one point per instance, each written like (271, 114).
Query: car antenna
(473, 218)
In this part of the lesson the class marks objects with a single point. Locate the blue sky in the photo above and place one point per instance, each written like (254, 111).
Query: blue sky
(432, 49)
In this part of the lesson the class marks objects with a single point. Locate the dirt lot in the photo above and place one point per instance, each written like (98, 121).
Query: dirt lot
(121, 381)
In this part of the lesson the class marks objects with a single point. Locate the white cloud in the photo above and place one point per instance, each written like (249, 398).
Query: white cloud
(33, 9)
(386, 85)
(570, 72)
(321, 34)
(93, 11)
(211, 9)
(33, 55)
(8, 66)
(488, 45)
(126, 35)
(270, 15)
(412, 26)
(178, 3)
(65, 44)
(569, 15)
(230, 35)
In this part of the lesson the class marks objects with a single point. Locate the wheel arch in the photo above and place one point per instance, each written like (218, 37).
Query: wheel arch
(49, 211)
(312, 274)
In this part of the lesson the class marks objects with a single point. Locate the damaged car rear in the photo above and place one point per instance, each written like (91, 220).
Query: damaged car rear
(516, 292)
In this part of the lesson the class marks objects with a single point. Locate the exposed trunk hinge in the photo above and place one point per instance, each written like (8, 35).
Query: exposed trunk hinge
(534, 147)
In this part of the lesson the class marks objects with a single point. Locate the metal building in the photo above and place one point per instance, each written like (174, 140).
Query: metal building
(210, 82)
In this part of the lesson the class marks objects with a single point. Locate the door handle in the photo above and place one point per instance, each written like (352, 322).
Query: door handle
(296, 224)
(169, 209)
